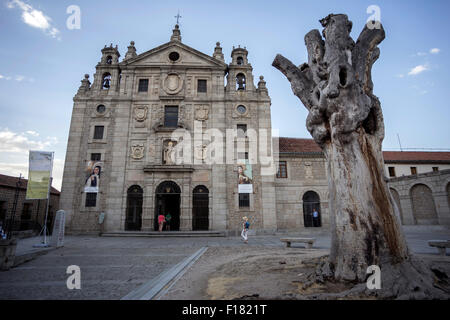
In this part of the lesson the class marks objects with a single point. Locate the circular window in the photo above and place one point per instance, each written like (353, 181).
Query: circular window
(174, 56)
(101, 108)
(241, 109)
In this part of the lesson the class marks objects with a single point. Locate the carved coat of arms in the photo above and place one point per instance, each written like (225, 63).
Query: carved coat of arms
(137, 151)
(140, 113)
(202, 113)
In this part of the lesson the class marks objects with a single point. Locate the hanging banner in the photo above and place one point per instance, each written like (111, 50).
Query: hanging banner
(93, 171)
(39, 173)
(245, 177)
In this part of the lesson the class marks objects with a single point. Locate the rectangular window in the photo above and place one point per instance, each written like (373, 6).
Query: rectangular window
(96, 156)
(201, 86)
(98, 132)
(391, 172)
(413, 170)
(241, 156)
(435, 169)
(143, 85)
(241, 130)
(91, 199)
(171, 116)
(244, 200)
(282, 170)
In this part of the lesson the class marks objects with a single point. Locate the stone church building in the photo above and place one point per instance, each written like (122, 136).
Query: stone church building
(129, 130)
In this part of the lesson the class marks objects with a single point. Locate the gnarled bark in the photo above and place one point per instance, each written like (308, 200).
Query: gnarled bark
(346, 120)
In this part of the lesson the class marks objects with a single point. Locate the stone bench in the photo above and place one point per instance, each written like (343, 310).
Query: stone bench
(308, 241)
(440, 244)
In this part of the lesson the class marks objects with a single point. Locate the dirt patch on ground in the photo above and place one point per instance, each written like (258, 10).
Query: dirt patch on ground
(261, 273)
(247, 272)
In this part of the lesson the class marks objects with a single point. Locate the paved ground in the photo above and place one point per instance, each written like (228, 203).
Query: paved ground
(112, 267)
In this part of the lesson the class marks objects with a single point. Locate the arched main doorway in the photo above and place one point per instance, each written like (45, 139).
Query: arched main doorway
(200, 208)
(133, 219)
(167, 199)
(424, 209)
(311, 202)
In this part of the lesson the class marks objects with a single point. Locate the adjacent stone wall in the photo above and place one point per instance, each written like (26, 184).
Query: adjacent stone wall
(424, 198)
(305, 172)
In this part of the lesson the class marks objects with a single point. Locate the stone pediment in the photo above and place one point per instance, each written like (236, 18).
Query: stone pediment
(188, 57)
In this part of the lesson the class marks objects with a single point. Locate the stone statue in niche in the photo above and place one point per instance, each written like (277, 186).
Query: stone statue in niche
(137, 151)
(169, 155)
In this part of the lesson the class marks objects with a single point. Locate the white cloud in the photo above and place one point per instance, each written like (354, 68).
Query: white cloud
(32, 133)
(20, 143)
(35, 18)
(435, 50)
(418, 69)
(18, 78)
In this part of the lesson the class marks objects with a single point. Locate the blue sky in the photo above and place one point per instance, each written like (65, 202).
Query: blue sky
(42, 61)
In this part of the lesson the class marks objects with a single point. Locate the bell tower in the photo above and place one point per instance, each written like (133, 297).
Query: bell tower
(240, 77)
(107, 76)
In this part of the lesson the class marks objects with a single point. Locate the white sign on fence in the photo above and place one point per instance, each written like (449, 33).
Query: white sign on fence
(58, 229)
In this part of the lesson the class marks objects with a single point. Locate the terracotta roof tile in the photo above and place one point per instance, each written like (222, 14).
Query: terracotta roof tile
(298, 145)
(416, 156)
(309, 146)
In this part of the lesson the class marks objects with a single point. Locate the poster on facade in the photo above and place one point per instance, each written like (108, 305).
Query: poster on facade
(245, 177)
(39, 173)
(93, 172)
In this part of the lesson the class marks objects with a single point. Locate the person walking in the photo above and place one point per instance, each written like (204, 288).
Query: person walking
(245, 227)
(161, 220)
(168, 218)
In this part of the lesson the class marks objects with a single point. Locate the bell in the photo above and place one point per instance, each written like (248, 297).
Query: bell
(240, 79)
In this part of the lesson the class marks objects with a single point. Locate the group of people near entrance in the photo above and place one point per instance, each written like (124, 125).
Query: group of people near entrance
(164, 221)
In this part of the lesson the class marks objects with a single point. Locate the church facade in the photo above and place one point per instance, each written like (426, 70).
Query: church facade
(176, 131)
(122, 161)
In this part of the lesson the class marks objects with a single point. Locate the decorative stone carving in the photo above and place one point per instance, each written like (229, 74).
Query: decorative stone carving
(201, 113)
(308, 170)
(140, 113)
(169, 154)
(172, 83)
(200, 152)
(137, 151)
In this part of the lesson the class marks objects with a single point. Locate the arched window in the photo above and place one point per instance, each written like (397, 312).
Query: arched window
(311, 210)
(240, 82)
(109, 60)
(424, 209)
(106, 82)
(133, 219)
(240, 61)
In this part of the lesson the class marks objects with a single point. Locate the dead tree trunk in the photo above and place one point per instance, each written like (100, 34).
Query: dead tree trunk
(346, 120)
